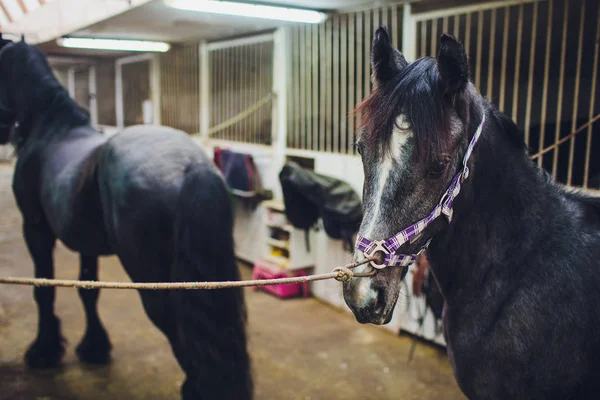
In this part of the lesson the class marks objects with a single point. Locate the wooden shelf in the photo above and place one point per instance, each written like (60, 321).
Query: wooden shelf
(274, 205)
(278, 243)
(279, 261)
(286, 227)
(292, 252)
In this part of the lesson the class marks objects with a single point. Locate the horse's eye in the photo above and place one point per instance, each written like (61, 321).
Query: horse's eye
(357, 147)
(437, 168)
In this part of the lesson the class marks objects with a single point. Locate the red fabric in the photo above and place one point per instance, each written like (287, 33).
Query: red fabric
(217, 157)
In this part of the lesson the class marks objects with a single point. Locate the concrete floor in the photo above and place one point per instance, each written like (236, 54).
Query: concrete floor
(300, 349)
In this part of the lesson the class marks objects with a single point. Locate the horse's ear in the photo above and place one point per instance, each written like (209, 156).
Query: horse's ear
(386, 61)
(453, 64)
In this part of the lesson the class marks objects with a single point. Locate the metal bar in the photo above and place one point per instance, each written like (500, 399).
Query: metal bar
(71, 82)
(343, 76)
(395, 22)
(492, 51)
(532, 45)
(296, 84)
(302, 110)
(351, 79)
(576, 92)
(504, 59)
(409, 33)
(119, 95)
(546, 79)
(479, 54)
(322, 93)
(457, 26)
(336, 84)
(359, 65)
(93, 95)
(469, 9)
(256, 88)
(561, 84)
(588, 148)
(434, 39)
(290, 92)
(515, 106)
(314, 143)
(367, 43)
(468, 33)
(328, 85)
(445, 25)
(308, 87)
(385, 22)
(244, 41)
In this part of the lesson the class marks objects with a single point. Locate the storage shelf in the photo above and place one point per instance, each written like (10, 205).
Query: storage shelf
(286, 227)
(278, 243)
(279, 261)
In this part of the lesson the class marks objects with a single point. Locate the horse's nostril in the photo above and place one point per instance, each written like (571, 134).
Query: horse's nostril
(380, 303)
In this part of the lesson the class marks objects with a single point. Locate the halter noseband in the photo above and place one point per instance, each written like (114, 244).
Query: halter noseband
(413, 232)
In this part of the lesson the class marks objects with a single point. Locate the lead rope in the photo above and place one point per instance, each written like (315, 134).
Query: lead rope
(341, 274)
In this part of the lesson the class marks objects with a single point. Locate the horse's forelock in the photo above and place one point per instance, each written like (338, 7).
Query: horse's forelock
(414, 93)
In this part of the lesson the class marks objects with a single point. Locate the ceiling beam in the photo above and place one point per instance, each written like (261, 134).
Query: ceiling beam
(5, 11)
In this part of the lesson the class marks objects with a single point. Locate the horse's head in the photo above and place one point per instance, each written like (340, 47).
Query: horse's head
(413, 138)
(7, 113)
(31, 97)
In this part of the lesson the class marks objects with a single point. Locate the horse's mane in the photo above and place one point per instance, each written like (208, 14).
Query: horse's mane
(39, 94)
(417, 92)
(411, 92)
(508, 126)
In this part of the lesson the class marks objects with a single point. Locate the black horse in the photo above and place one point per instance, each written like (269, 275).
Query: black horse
(150, 196)
(519, 262)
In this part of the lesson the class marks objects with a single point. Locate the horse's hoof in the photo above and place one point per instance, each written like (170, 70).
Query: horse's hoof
(44, 355)
(94, 349)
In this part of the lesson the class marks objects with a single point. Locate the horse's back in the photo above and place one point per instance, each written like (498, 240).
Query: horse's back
(141, 174)
(150, 159)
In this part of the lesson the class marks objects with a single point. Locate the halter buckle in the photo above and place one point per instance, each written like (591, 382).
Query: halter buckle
(379, 246)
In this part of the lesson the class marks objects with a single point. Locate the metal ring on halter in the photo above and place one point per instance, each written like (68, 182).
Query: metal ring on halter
(379, 246)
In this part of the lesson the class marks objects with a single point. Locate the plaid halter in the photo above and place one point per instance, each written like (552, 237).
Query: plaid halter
(414, 231)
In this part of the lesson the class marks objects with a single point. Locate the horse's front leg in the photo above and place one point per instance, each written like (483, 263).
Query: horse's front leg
(95, 345)
(48, 348)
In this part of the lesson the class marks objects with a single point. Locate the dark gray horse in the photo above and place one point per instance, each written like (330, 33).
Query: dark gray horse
(518, 263)
(150, 196)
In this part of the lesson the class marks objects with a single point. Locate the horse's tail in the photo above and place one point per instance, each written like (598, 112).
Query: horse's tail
(211, 324)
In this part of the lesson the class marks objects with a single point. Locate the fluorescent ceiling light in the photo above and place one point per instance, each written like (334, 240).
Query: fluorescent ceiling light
(113, 44)
(249, 10)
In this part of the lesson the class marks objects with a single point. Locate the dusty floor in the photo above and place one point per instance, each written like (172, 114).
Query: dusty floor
(301, 349)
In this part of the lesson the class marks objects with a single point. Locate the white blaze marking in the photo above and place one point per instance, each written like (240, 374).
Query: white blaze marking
(391, 159)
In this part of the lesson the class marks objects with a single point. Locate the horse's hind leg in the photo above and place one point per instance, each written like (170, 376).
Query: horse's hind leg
(95, 345)
(48, 348)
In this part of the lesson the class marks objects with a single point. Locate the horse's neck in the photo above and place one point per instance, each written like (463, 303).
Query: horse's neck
(498, 215)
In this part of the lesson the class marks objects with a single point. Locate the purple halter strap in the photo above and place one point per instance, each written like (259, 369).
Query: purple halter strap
(414, 231)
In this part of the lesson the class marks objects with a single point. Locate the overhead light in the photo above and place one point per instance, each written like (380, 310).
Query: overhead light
(249, 10)
(113, 44)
